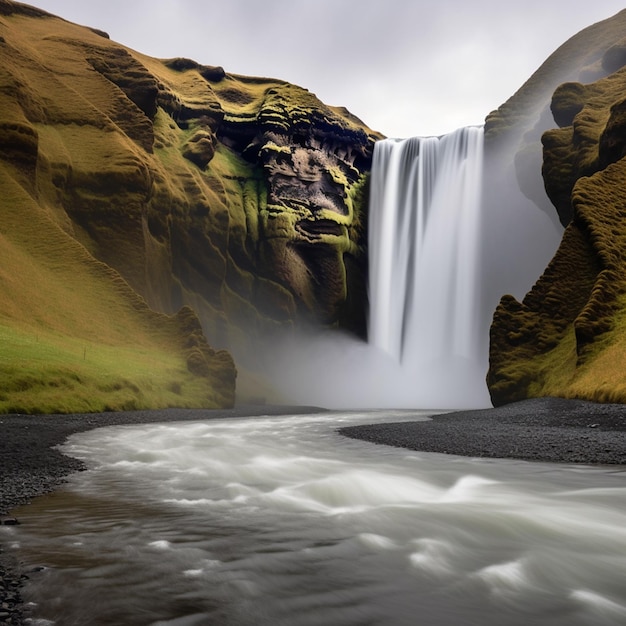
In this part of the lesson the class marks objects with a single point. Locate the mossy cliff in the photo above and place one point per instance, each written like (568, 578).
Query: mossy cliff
(568, 336)
(165, 184)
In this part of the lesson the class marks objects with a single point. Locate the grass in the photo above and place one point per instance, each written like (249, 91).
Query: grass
(558, 372)
(94, 218)
(74, 337)
(49, 373)
(601, 378)
(556, 368)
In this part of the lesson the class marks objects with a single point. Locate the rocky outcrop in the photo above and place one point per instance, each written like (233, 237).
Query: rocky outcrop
(567, 337)
(518, 125)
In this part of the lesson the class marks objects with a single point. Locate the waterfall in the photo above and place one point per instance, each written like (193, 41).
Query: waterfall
(424, 258)
(441, 254)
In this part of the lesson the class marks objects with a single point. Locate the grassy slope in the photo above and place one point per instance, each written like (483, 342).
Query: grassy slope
(73, 335)
(112, 156)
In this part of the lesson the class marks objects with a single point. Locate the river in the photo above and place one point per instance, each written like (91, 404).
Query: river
(281, 520)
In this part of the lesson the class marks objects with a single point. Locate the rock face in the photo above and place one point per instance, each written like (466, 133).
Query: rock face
(519, 124)
(241, 198)
(567, 337)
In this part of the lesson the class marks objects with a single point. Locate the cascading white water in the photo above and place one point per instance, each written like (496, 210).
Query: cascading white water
(424, 247)
(428, 315)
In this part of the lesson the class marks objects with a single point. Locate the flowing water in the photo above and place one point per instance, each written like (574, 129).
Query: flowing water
(441, 255)
(280, 520)
(425, 260)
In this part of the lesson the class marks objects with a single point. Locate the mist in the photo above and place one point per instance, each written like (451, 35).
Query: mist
(334, 369)
(513, 242)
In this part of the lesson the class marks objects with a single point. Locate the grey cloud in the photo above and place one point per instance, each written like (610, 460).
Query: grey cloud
(403, 66)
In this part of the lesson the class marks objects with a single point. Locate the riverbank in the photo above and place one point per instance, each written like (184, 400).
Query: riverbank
(552, 430)
(30, 466)
(544, 429)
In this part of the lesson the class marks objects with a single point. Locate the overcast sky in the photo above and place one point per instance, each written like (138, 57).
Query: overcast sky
(405, 67)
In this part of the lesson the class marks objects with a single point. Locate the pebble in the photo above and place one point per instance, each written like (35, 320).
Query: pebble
(11, 602)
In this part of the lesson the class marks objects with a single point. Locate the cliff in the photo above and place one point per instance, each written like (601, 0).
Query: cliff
(132, 188)
(567, 337)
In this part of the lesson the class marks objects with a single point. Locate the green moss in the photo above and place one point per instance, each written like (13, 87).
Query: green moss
(568, 337)
(132, 185)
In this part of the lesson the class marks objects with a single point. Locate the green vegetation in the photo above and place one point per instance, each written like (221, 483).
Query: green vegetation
(568, 336)
(48, 373)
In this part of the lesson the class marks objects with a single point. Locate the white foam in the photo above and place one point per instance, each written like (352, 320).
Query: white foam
(467, 488)
(599, 603)
(378, 542)
(193, 573)
(505, 578)
(356, 491)
(433, 557)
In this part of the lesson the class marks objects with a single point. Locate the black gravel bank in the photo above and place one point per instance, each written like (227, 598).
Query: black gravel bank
(543, 429)
(29, 466)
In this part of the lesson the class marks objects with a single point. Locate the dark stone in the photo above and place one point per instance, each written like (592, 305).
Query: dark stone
(212, 73)
(100, 33)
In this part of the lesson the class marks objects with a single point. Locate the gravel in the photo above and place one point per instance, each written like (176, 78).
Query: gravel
(542, 429)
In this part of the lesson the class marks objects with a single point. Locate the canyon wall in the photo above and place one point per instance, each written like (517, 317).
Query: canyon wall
(241, 197)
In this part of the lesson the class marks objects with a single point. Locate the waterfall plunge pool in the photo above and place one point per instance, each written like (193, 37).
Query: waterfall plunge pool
(281, 520)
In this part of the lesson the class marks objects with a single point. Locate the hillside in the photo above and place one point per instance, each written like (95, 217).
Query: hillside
(133, 188)
(567, 337)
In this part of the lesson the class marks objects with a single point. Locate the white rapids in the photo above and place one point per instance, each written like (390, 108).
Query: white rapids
(280, 520)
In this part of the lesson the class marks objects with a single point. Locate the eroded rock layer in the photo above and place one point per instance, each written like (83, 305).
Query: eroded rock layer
(237, 200)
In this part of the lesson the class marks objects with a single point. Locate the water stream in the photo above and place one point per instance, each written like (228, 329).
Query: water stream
(425, 262)
(424, 246)
(280, 520)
